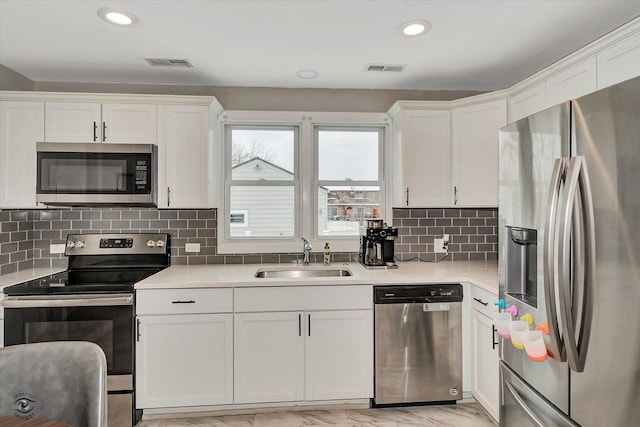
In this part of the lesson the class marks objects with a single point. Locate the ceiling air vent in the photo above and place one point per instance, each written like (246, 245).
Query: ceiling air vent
(385, 67)
(166, 62)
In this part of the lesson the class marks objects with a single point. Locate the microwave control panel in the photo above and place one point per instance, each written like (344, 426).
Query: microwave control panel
(141, 174)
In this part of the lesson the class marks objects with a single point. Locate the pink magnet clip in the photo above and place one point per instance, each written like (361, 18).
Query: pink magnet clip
(513, 310)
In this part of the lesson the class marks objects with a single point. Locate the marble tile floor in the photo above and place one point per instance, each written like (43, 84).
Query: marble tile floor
(460, 415)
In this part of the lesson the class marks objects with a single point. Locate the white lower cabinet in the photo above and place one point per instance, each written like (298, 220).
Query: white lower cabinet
(338, 356)
(485, 383)
(184, 360)
(269, 357)
(296, 356)
(184, 348)
(303, 343)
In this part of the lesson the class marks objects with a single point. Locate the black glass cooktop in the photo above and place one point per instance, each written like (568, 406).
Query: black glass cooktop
(82, 282)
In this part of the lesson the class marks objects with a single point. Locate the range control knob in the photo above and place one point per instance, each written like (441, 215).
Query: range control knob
(80, 244)
(71, 244)
(151, 243)
(160, 243)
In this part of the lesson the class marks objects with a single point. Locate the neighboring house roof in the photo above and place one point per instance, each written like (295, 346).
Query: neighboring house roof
(247, 163)
(256, 159)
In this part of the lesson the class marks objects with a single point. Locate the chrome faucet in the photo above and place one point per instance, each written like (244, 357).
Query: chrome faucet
(306, 250)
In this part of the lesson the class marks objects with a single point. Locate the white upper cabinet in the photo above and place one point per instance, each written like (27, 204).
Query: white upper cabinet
(578, 80)
(185, 144)
(21, 125)
(73, 122)
(527, 102)
(95, 122)
(422, 156)
(129, 123)
(475, 130)
(611, 59)
(620, 62)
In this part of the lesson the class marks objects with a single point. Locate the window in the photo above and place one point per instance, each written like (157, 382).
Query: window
(262, 183)
(348, 178)
(289, 175)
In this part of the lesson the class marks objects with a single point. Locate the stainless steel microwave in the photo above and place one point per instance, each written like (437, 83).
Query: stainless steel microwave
(78, 174)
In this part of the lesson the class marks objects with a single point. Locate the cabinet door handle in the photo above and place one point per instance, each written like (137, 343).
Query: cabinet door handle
(168, 196)
(494, 343)
(183, 302)
(480, 301)
(95, 131)
(309, 324)
(299, 325)
(455, 195)
(104, 131)
(407, 196)
(137, 330)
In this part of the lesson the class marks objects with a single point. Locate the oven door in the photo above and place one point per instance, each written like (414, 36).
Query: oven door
(107, 320)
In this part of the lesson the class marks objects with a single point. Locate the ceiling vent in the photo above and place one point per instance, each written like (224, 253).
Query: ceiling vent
(166, 62)
(394, 68)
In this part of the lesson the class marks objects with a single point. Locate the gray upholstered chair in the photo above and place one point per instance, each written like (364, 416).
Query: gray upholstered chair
(63, 381)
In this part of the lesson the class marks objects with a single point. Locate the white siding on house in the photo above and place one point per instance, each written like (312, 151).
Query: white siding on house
(269, 209)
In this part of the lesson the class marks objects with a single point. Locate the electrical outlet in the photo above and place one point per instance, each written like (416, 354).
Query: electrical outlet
(192, 247)
(439, 246)
(57, 248)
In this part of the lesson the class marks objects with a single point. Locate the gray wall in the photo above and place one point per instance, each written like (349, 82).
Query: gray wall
(12, 80)
(250, 98)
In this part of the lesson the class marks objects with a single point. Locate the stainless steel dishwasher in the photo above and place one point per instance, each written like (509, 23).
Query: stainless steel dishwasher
(418, 343)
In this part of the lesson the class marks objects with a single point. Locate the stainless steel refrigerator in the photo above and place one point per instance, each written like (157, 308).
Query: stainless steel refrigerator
(569, 255)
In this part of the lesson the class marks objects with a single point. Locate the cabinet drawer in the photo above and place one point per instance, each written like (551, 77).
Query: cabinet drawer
(184, 301)
(288, 298)
(480, 297)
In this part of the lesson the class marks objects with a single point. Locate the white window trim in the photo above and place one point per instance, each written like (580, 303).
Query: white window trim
(305, 167)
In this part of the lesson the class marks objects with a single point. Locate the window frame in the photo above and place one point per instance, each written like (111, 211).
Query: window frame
(230, 182)
(317, 182)
(305, 170)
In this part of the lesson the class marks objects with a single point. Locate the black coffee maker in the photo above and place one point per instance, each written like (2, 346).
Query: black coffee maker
(376, 244)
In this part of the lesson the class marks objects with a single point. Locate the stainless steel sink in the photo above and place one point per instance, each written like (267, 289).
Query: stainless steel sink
(301, 273)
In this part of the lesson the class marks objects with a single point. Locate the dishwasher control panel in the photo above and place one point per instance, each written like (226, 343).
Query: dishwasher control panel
(427, 293)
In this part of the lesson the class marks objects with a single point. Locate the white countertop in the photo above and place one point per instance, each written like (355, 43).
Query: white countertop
(26, 275)
(481, 273)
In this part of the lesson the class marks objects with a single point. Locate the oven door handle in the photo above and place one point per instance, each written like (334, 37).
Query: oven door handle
(66, 301)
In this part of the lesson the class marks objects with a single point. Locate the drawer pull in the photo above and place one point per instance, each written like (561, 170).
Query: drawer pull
(481, 302)
(183, 302)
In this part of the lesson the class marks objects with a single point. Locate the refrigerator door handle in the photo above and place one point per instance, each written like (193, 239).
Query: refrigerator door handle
(527, 410)
(550, 288)
(578, 195)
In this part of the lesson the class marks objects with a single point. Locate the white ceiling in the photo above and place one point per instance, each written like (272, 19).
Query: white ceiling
(473, 45)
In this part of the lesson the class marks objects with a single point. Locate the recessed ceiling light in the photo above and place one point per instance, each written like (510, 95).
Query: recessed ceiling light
(414, 28)
(307, 74)
(118, 17)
